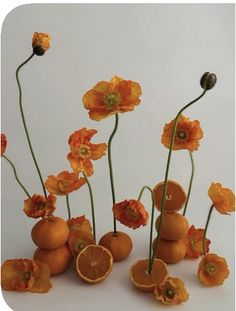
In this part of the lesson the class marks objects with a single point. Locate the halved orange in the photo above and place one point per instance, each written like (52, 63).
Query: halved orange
(175, 196)
(94, 263)
(144, 281)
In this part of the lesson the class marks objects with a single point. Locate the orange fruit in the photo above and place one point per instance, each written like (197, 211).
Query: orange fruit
(144, 281)
(50, 233)
(57, 259)
(120, 245)
(94, 263)
(174, 226)
(175, 196)
(170, 251)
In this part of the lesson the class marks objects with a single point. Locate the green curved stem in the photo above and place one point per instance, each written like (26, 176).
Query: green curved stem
(68, 206)
(190, 183)
(151, 228)
(24, 122)
(205, 230)
(17, 179)
(111, 170)
(163, 200)
(92, 206)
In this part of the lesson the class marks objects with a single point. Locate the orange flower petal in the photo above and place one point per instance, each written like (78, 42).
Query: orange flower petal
(222, 198)
(42, 283)
(98, 150)
(3, 143)
(41, 39)
(80, 224)
(79, 165)
(39, 206)
(78, 239)
(212, 270)
(130, 213)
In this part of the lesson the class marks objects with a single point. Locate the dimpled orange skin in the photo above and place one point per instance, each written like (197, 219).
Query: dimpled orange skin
(174, 226)
(50, 233)
(120, 245)
(57, 259)
(170, 251)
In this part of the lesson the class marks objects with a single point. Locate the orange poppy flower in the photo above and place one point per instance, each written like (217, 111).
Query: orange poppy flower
(25, 275)
(64, 183)
(42, 40)
(130, 213)
(212, 270)
(80, 224)
(107, 98)
(171, 291)
(194, 243)
(82, 151)
(187, 134)
(39, 206)
(3, 143)
(222, 198)
(78, 240)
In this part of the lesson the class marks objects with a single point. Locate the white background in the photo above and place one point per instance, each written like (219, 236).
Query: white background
(166, 48)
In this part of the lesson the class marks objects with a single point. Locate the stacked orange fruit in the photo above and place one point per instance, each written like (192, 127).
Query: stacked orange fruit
(171, 247)
(51, 235)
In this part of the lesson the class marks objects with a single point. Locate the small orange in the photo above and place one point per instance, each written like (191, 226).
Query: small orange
(144, 281)
(120, 245)
(50, 233)
(170, 251)
(94, 263)
(174, 226)
(175, 196)
(57, 259)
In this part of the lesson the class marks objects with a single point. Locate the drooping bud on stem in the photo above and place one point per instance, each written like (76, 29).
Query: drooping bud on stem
(208, 81)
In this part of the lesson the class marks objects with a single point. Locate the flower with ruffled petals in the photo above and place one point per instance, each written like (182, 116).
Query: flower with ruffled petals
(130, 213)
(212, 270)
(64, 183)
(40, 43)
(187, 136)
(39, 206)
(222, 198)
(3, 143)
(79, 223)
(194, 243)
(108, 98)
(171, 291)
(78, 240)
(83, 151)
(25, 275)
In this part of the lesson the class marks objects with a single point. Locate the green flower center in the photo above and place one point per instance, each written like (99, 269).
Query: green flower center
(170, 293)
(112, 99)
(211, 269)
(26, 276)
(131, 214)
(182, 135)
(84, 151)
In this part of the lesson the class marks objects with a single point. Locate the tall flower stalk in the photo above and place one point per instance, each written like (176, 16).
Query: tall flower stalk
(205, 230)
(190, 183)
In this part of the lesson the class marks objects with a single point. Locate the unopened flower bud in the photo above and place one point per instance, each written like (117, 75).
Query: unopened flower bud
(208, 80)
(40, 43)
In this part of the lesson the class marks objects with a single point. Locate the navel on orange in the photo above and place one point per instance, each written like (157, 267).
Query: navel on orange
(175, 196)
(120, 244)
(144, 281)
(94, 263)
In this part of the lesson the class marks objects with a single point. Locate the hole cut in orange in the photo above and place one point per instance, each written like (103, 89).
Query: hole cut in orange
(144, 281)
(94, 263)
(175, 196)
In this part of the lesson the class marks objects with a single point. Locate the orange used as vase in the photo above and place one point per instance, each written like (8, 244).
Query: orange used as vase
(50, 233)
(119, 244)
(174, 226)
(57, 259)
(170, 251)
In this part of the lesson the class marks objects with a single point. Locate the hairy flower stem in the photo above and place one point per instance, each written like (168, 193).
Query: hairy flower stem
(163, 200)
(190, 183)
(92, 206)
(205, 230)
(68, 206)
(111, 170)
(151, 228)
(24, 122)
(17, 179)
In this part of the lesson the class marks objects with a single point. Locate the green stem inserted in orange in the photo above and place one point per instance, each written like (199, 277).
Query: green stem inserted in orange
(24, 122)
(68, 206)
(190, 183)
(15, 173)
(92, 205)
(111, 169)
(205, 230)
(151, 228)
(167, 172)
